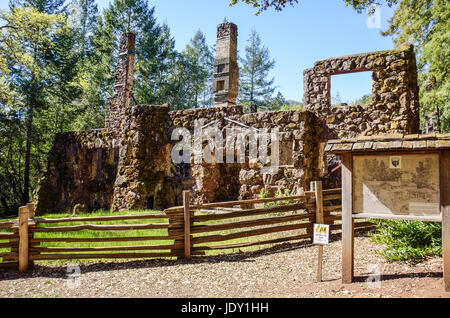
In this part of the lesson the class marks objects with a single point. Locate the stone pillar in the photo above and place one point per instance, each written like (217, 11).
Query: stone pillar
(226, 70)
(117, 107)
(144, 159)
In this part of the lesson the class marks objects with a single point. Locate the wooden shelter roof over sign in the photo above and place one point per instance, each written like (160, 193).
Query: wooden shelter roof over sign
(390, 142)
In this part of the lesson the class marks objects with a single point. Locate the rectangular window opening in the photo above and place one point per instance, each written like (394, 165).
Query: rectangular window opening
(220, 85)
(351, 89)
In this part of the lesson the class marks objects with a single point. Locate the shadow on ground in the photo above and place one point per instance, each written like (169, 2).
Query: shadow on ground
(60, 271)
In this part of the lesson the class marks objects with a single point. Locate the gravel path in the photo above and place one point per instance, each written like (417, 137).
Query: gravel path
(287, 270)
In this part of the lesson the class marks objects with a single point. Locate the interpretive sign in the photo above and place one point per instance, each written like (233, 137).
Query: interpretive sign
(397, 177)
(402, 185)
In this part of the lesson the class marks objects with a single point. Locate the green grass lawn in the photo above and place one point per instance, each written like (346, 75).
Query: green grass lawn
(101, 234)
(141, 233)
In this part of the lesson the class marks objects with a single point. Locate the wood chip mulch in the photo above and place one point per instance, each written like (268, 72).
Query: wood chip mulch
(287, 270)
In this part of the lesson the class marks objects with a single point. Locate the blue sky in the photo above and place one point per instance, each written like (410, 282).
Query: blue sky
(296, 37)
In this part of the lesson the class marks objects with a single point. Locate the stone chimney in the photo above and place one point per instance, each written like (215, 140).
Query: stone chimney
(117, 107)
(226, 70)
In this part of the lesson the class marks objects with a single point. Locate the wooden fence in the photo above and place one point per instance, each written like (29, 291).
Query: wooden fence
(192, 230)
(292, 216)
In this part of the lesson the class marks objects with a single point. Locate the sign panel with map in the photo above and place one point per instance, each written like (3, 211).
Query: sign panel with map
(396, 184)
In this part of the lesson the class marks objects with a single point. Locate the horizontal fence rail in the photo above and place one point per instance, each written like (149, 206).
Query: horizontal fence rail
(254, 222)
(9, 244)
(181, 232)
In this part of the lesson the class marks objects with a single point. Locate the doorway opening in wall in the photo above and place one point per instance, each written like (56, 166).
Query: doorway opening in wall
(351, 88)
(150, 202)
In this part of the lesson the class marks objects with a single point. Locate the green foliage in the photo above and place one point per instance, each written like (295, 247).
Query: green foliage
(364, 100)
(28, 54)
(254, 87)
(57, 67)
(199, 63)
(262, 5)
(408, 240)
(293, 106)
(278, 194)
(426, 24)
(274, 103)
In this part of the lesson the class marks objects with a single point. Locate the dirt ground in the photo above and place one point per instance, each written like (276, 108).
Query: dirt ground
(287, 270)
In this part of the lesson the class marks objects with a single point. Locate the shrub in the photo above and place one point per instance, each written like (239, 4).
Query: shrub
(408, 240)
(264, 194)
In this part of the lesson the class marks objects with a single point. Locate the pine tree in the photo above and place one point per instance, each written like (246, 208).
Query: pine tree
(154, 47)
(426, 24)
(26, 44)
(254, 85)
(275, 103)
(45, 6)
(83, 15)
(200, 70)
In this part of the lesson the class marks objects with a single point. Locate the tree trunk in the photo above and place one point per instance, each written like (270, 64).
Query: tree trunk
(26, 174)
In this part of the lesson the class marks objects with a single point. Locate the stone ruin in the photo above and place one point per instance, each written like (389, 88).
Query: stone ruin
(128, 165)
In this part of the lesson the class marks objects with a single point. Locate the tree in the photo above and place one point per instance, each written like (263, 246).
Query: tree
(275, 103)
(279, 5)
(154, 47)
(366, 99)
(426, 24)
(25, 40)
(262, 5)
(336, 100)
(44, 6)
(200, 71)
(83, 17)
(254, 87)
(86, 110)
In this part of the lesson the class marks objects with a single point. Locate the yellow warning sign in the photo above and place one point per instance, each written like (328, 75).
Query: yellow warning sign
(321, 234)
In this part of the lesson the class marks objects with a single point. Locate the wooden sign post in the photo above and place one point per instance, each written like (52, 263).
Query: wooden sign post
(394, 177)
(445, 211)
(316, 186)
(187, 224)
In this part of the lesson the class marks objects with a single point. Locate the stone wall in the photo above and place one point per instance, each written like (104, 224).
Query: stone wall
(186, 118)
(395, 98)
(395, 94)
(302, 137)
(128, 165)
(81, 169)
(144, 159)
(208, 182)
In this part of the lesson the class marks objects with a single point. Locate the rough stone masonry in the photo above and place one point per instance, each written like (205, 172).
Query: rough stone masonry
(127, 165)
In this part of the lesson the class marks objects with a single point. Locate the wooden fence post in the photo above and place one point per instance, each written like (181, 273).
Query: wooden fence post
(445, 210)
(316, 186)
(187, 225)
(23, 239)
(30, 207)
(347, 219)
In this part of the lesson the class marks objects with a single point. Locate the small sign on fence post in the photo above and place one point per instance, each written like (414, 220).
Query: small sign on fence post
(321, 234)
